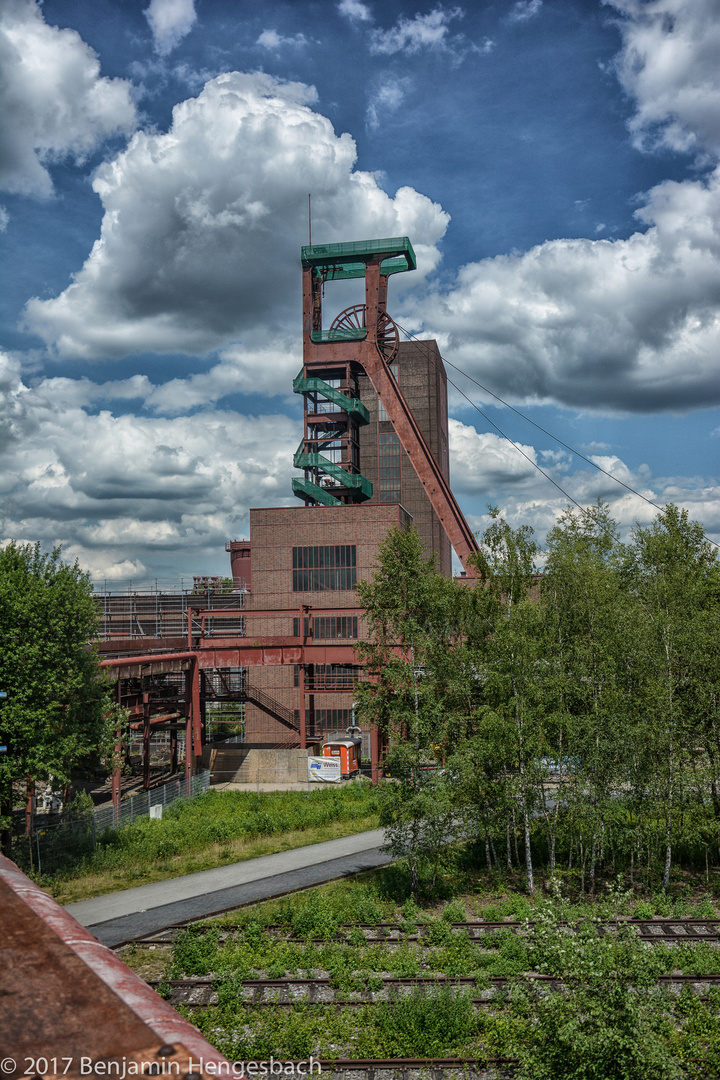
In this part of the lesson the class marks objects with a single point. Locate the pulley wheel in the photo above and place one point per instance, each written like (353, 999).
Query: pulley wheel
(388, 337)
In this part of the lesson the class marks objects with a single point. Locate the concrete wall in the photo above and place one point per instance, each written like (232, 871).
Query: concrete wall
(243, 765)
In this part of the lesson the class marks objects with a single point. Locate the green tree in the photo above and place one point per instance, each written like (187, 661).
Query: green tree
(505, 562)
(414, 620)
(675, 574)
(590, 625)
(55, 713)
(415, 696)
(506, 653)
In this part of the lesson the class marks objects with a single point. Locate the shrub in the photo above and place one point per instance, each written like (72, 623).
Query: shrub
(609, 1021)
(420, 1025)
(194, 953)
(454, 911)
(316, 919)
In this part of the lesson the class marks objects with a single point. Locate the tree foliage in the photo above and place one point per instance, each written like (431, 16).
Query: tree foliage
(55, 711)
(576, 712)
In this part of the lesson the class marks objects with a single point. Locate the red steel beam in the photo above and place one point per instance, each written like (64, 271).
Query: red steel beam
(163, 1023)
(263, 652)
(193, 738)
(422, 459)
(321, 609)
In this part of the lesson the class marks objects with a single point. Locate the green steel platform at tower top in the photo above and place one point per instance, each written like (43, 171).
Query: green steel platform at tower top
(336, 262)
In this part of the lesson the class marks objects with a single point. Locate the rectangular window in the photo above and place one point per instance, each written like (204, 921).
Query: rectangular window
(306, 626)
(332, 719)
(328, 677)
(335, 626)
(382, 415)
(389, 471)
(324, 569)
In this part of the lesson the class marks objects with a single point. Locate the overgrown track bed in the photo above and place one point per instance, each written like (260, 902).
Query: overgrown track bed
(203, 992)
(420, 1068)
(656, 930)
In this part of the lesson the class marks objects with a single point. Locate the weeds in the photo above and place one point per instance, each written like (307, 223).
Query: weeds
(607, 1021)
(433, 1024)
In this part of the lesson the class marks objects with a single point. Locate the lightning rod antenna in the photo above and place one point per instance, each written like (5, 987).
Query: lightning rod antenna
(309, 222)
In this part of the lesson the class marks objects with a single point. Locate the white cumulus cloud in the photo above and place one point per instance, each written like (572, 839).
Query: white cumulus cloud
(271, 40)
(387, 98)
(524, 10)
(203, 225)
(480, 461)
(170, 21)
(163, 493)
(487, 469)
(669, 65)
(629, 324)
(55, 102)
(355, 10)
(600, 324)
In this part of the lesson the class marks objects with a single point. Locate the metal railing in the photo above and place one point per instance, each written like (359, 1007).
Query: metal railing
(62, 843)
(271, 705)
(152, 613)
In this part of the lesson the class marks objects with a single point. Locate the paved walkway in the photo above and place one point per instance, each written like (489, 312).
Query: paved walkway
(122, 916)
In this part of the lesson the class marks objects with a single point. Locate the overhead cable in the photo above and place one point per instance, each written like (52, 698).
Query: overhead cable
(589, 461)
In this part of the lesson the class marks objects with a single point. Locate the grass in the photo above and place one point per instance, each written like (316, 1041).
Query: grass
(215, 829)
(610, 1021)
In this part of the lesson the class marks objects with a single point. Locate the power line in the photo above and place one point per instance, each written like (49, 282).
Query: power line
(498, 429)
(589, 461)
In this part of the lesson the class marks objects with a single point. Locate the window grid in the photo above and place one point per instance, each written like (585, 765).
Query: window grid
(335, 626)
(389, 470)
(327, 626)
(332, 719)
(332, 676)
(324, 569)
(382, 414)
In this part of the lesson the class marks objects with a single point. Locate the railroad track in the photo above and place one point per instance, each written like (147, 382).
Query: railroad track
(422, 1068)
(203, 992)
(656, 930)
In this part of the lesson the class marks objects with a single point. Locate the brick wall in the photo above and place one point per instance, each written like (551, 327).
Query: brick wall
(274, 531)
(422, 379)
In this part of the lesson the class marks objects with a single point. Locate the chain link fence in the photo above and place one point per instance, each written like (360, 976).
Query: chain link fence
(54, 845)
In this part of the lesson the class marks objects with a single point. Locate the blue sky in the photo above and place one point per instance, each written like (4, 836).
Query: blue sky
(554, 162)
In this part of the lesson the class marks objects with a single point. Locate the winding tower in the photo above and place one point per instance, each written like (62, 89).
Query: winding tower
(363, 340)
(335, 357)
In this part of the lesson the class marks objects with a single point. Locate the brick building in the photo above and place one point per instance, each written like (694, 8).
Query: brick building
(371, 458)
(420, 373)
(318, 602)
(306, 562)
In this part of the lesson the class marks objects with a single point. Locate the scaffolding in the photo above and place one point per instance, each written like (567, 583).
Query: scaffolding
(151, 613)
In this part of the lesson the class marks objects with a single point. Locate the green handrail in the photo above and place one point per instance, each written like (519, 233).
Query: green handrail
(346, 479)
(302, 487)
(352, 406)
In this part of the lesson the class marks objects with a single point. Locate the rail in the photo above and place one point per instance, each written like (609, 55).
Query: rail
(269, 704)
(203, 992)
(655, 930)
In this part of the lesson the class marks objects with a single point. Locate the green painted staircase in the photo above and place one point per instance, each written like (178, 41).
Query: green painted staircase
(353, 481)
(302, 487)
(352, 406)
